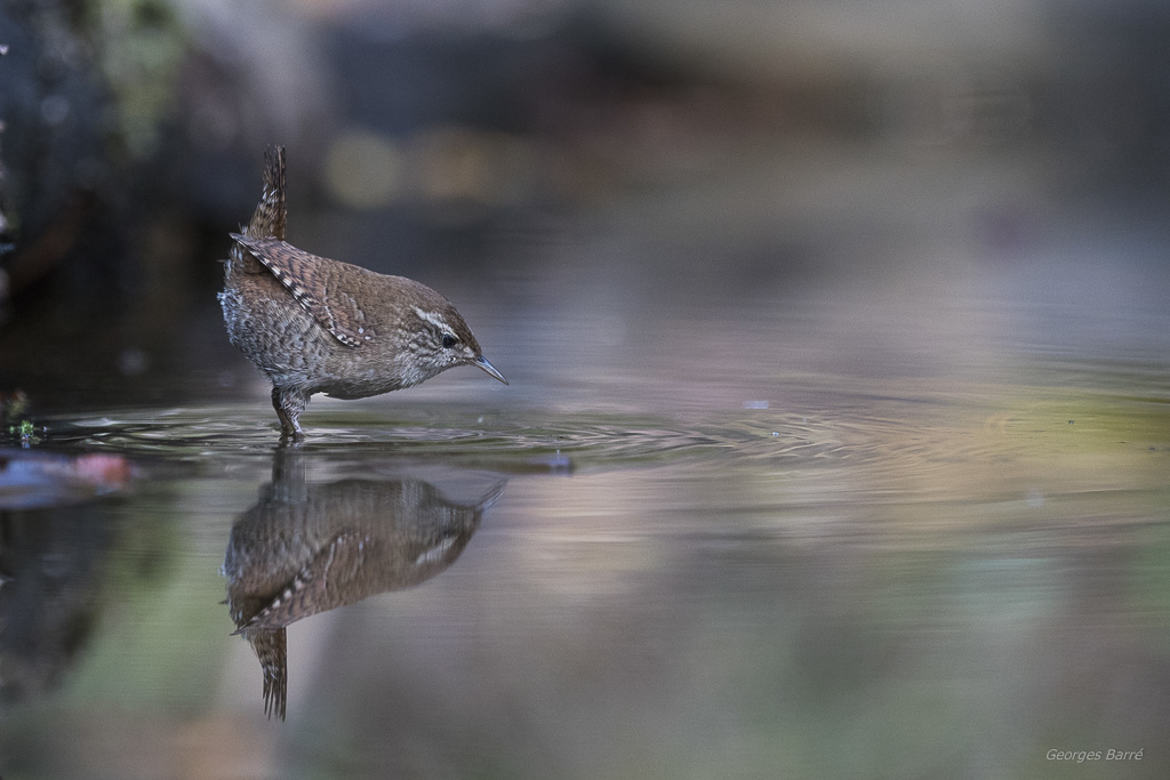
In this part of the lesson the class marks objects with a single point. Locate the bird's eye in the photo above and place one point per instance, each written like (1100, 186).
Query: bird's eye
(449, 341)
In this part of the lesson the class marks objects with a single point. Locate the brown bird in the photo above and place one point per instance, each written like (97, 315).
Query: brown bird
(316, 325)
(308, 547)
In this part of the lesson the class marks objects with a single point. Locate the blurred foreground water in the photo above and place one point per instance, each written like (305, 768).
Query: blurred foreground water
(913, 525)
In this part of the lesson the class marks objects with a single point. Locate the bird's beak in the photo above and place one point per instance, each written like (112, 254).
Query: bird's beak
(489, 369)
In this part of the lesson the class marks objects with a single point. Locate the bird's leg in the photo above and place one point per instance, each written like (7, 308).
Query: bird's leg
(288, 405)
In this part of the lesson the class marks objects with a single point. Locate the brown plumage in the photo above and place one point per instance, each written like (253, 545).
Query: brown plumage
(316, 325)
(308, 547)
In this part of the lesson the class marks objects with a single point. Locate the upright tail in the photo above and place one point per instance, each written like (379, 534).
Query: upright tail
(269, 217)
(272, 650)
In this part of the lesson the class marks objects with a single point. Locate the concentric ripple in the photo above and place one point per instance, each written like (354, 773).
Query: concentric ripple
(918, 447)
(506, 440)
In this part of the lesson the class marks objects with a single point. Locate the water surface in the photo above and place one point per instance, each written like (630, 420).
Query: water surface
(903, 512)
(856, 562)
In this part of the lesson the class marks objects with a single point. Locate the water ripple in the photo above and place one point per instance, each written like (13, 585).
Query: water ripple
(556, 441)
(916, 444)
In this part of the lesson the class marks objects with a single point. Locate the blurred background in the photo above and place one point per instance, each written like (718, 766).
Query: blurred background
(837, 437)
(569, 172)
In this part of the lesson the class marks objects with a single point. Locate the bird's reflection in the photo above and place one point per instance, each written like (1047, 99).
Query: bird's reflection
(306, 548)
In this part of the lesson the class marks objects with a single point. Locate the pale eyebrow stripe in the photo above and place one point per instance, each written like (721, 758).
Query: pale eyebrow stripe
(431, 317)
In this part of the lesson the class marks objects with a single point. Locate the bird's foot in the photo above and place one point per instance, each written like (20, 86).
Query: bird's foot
(288, 405)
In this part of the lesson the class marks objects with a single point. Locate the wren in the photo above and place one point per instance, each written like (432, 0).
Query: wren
(315, 325)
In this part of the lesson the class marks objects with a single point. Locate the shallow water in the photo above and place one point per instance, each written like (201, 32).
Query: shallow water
(889, 568)
(902, 516)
